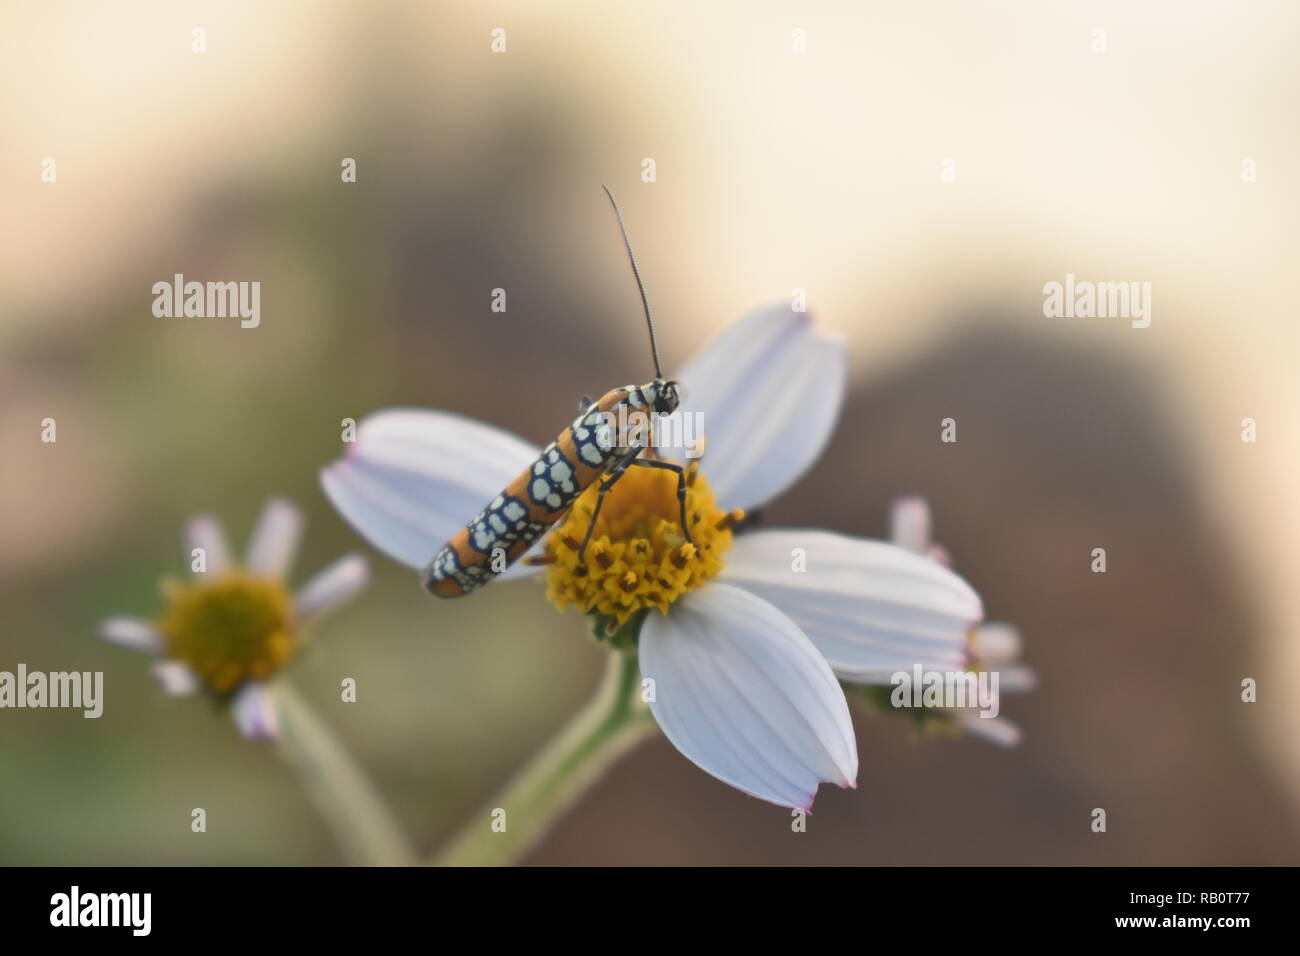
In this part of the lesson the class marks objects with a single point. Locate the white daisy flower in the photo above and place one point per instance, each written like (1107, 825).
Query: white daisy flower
(992, 646)
(750, 631)
(229, 629)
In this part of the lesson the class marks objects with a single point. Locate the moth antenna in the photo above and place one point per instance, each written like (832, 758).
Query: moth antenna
(645, 302)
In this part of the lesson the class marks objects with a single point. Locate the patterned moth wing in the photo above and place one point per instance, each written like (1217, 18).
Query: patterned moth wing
(598, 438)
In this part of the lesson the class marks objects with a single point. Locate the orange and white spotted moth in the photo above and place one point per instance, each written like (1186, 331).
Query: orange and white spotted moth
(605, 440)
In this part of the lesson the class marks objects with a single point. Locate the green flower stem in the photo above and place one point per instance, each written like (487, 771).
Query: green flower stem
(610, 725)
(362, 824)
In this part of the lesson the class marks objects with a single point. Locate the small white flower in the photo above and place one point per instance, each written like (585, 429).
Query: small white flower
(993, 646)
(228, 629)
(746, 652)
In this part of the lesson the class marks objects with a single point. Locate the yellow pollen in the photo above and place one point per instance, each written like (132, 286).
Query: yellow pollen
(230, 628)
(731, 519)
(638, 556)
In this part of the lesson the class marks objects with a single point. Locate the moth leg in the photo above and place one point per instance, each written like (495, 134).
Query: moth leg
(614, 475)
(539, 559)
(650, 453)
(681, 485)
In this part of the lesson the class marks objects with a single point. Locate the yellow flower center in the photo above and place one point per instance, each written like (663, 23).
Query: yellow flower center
(638, 556)
(232, 628)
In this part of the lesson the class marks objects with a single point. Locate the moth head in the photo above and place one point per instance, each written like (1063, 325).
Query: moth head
(666, 399)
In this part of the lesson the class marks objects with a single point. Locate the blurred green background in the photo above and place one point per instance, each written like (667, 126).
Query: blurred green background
(775, 171)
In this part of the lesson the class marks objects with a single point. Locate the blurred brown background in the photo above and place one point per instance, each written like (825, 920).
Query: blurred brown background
(775, 171)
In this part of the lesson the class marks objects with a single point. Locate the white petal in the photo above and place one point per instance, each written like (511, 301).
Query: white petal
(937, 552)
(1016, 680)
(871, 608)
(275, 539)
(994, 643)
(996, 730)
(204, 531)
(254, 712)
(909, 524)
(176, 678)
(744, 695)
(414, 478)
(768, 392)
(333, 585)
(132, 632)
